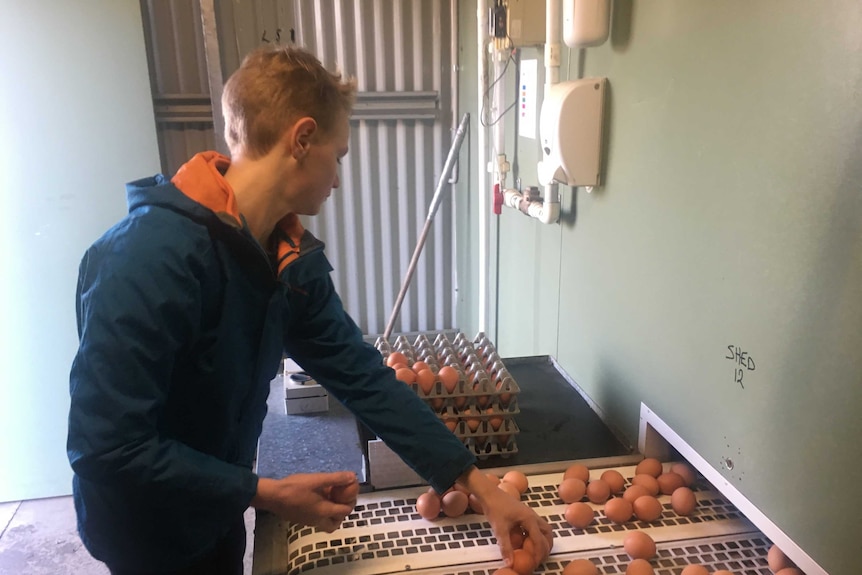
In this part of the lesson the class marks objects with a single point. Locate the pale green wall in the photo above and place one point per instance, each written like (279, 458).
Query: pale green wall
(464, 192)
(76, 123)
(731, 215)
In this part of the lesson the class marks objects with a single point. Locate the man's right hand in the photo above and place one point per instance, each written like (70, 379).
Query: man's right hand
(304, 498)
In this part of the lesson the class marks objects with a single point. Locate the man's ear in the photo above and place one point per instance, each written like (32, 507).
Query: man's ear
(301, 136)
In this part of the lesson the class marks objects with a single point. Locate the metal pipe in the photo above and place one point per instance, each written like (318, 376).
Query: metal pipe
(432, 210)
(214, 73)
(482, 188)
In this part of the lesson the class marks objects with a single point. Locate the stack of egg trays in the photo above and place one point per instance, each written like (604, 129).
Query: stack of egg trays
(485, 390)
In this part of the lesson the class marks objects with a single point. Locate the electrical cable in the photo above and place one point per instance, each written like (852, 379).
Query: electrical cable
(483, 112)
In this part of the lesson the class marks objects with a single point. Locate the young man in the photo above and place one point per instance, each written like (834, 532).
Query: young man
(185, 308)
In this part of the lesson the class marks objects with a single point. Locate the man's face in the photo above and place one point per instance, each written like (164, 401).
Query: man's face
(319, 169)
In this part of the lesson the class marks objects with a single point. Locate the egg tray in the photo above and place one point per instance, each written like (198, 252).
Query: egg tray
(449, 407)
(474, 378)
(476, 391)
(488, 446)
(507, 429)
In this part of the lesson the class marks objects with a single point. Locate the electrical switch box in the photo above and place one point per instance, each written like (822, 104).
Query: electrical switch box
(570, 128)
(526, 19)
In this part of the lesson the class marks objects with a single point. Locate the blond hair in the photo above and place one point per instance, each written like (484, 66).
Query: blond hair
(273, 88)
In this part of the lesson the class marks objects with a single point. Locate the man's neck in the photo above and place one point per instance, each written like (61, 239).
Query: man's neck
(254, 184)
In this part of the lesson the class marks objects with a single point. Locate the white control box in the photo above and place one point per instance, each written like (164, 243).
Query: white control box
(301, 393)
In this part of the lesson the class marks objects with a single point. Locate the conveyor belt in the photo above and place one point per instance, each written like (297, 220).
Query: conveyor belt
(384, 534)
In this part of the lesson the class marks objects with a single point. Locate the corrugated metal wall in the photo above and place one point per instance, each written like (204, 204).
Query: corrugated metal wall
(178, 76)
(401, 54)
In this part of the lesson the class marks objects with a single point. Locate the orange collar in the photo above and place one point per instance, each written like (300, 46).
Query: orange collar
(202, 180)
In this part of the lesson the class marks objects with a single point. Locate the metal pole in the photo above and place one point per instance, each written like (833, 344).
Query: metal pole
(435, 204)
(214, 72)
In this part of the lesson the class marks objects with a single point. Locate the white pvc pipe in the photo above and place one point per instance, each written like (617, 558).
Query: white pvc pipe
(484, 203)
(552, 41)
(547, 212)
(500, 54)
(551, 211)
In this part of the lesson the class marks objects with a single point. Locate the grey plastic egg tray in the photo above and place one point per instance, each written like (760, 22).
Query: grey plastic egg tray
(485, 388)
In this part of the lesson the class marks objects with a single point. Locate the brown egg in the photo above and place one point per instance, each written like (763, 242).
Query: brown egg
(640, 567)
(777, 560)
(397, 366)
(685, 471)
(572, 490)
(695, 570)
(454, 504)
(647, 508)
(510, 489)
(451, 423)
(425, 380)
(722, 572)
(493, 478)
(639, 545)
(635, 491)
(581, 567)
(406, 375)
(396, 357)
(461, 488)
(449, 377)
(428, 505)
(579, 515)
(419, 366)
(474, 504)
(670, 482)
(598, 491)
(615, 480)
(505, 571)
(529, 546)
(618, 510)
(517, 479)
(523, 562)
(790, 571)
(504, 397)
(495, 423)
(648, 481)
(578, 471)
(683, 501)
(650, 466)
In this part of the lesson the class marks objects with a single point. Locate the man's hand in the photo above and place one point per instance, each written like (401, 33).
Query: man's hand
(315, 499)
(505, 514)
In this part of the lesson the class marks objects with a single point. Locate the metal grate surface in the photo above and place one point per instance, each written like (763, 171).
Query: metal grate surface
(384, 534)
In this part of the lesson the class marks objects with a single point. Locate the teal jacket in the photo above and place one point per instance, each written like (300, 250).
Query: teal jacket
(183, 320)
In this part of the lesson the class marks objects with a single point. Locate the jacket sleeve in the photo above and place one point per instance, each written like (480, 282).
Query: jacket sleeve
(322, 338)
(138, 307)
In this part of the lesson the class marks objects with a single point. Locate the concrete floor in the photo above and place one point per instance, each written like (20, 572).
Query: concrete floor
(38, 537)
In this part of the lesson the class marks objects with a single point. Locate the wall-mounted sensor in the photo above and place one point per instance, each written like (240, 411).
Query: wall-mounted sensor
(570, 125)
(586, 23)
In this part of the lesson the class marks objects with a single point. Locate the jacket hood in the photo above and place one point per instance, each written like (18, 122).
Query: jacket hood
(204, 192)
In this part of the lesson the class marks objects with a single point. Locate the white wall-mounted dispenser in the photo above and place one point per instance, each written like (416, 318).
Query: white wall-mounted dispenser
(586, 23)
(570, 125)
